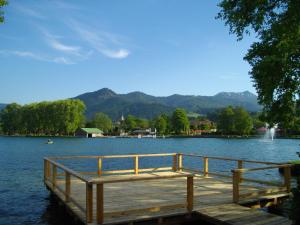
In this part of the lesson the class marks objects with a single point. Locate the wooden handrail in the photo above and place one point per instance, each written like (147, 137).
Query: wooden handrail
(112, 156)
(231, 159)
(262, 168)
(72, 172)
(131, 178)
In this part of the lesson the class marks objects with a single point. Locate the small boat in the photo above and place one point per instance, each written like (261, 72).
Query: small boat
(49, 142)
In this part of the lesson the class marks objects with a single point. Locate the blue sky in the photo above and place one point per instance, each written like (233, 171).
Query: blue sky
(58, 49)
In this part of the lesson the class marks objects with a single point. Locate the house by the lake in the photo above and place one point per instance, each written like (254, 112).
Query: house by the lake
(89, 132)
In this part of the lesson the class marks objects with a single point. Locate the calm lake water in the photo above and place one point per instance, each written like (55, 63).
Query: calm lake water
(25, 200)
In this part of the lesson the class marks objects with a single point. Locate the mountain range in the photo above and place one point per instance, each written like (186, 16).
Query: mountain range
(147, 106)
(2, 106)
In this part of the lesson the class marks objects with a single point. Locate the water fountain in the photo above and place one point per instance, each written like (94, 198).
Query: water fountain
(270, 132)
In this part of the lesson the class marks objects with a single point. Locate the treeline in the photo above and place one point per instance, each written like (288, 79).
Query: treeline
(64, 117)
(61, 117)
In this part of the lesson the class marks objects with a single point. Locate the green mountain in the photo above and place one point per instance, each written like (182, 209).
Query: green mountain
(148, 106)
(2, 106)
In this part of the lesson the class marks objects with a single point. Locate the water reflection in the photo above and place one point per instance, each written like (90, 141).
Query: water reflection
(56, 214)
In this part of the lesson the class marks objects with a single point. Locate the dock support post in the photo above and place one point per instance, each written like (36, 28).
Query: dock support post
(89, 203)
(99, 167)
(100, 207)
(190, 193)
(240, 166)
(46, 169)
(287, 178)
(205, 166)
(136, 165)
(235, 185)
(68, 186)
(179, 162)
(174, 168)
(54, 174)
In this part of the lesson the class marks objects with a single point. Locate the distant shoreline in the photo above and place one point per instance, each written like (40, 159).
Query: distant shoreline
(161, 137)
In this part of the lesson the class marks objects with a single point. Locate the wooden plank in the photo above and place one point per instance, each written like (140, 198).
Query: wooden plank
(136, 165)
(287, 178)
(179, 162)
(110, 156)
(100, 204)
(68, 186)
(190, 193)
(54, 174)
(232, 159)
(205, 166)
(99, 167)
(140, 177)
(89, 203)
(236, 186)
(174, 167)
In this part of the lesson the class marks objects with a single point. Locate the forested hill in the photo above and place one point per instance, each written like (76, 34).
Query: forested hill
(2, 106)
(147, 106)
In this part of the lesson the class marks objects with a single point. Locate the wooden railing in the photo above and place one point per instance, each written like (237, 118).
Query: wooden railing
(101, 177)
(99, 180)
(237, 175)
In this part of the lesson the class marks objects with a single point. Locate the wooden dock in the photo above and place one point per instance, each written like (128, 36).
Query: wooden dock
(156, 194)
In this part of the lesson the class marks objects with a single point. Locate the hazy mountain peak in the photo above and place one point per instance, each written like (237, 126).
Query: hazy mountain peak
(236, 94)
(105, 92)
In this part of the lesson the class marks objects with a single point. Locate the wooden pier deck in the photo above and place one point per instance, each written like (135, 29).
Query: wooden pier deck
(154, 194)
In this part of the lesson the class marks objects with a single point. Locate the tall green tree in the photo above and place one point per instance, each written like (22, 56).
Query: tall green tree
(130, 123)
(59, 117)
(160, 124)
(275, 56)
(180, 122)
(102, 121)
(2, 3)
(242, 121)
(225, 122)
(11, 119)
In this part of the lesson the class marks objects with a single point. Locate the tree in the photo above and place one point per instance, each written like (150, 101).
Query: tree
(242, 121)
(275, 57)
(102, 121)
(160, 124)
(141, 123)
(226, 121)
(50, 118)
(130, 123)
(2, 3)
(11, 119)
(180, 122)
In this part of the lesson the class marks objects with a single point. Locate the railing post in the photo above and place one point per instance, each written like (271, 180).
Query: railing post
(240, 166)
(235, 185)
(99, 167)
(89, 202)
(205, 166)
(180, 162)
(54, 174)
(100, 206)
(68, 186)
(287, 178)
(46, 164)
(174, 168)
(136, 165)
(190, 193)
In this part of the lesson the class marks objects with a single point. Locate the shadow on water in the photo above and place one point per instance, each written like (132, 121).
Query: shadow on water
(56, 214)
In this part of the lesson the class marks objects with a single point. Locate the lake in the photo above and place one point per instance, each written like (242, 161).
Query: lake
(25, 200)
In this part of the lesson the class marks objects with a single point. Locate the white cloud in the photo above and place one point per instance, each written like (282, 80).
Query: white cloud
(36, 56)
(103, 42)
(120, 54)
